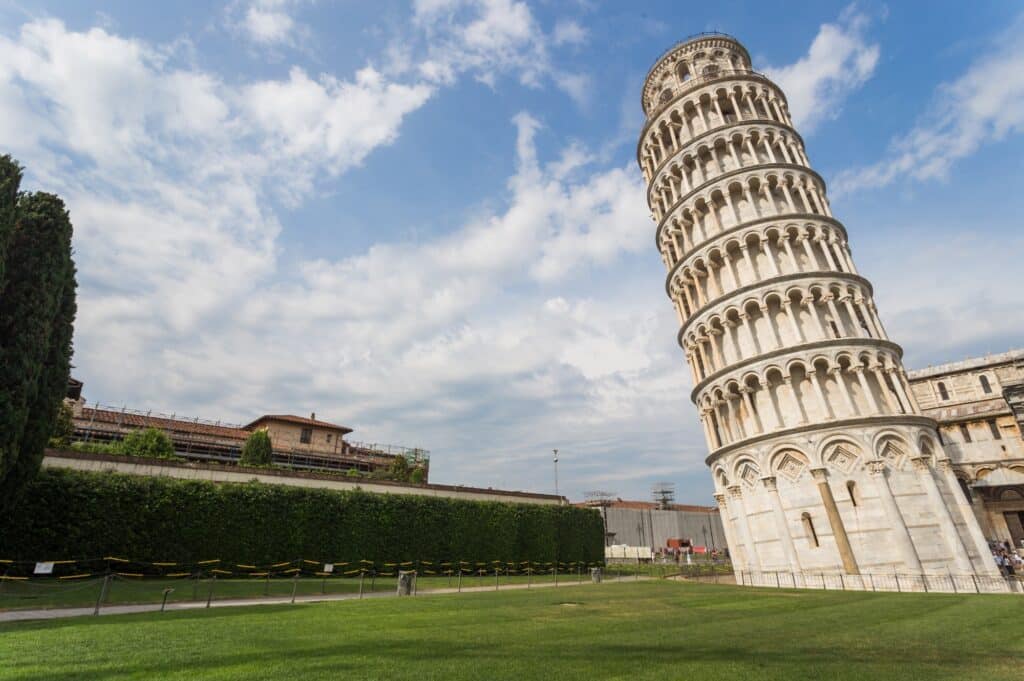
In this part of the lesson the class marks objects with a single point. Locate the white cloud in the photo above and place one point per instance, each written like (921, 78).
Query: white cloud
(839, 60)
(983, 105)
(267, 23)
(489, 38)
(568, 32)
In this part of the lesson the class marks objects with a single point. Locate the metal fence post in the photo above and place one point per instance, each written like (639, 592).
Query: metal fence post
(871, 579)
(460, 579)
(103, 594)
(495, 579)
(163, 604)
(924, 581)
(897, 582)
(295, 585)
(952, 581)
(209, 594)
(974, 578)
(842, 582)
(361, 573)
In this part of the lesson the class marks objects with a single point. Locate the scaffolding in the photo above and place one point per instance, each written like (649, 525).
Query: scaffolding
(197, 439)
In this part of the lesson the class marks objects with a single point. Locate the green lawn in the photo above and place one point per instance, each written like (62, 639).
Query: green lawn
(632, 630)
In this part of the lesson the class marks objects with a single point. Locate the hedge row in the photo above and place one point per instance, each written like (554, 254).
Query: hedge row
(75, 515)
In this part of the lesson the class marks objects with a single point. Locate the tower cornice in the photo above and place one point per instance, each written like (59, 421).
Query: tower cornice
(913, 420)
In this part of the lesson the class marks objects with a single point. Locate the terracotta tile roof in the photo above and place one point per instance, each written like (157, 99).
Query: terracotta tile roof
(301, 420)
(90, 414)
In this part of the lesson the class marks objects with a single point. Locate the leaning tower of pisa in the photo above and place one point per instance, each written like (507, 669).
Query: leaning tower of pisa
(822, 460)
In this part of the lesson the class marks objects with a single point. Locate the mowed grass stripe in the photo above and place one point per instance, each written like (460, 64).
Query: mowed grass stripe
(646, 630)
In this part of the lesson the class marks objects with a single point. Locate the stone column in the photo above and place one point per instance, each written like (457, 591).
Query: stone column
(844, 389)
(794, 323)
(847, 300)
(748, 400)
(736, 495)
(730, 532)
(890, 399)
(781, 526)
(988, 567)
(771, 257)
(836, 521)
(866, 387)
(946, 524)
(900, 533)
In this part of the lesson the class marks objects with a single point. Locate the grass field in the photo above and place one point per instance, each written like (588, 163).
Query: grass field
(645, 630)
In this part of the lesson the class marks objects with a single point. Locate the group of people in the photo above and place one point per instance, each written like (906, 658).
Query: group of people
(1007, 558)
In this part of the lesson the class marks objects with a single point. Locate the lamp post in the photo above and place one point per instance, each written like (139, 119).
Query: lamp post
(555, 459)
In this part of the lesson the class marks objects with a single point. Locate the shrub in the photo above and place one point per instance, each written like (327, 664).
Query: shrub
(77, 514)
(353, 473)
(257, 450)
(63, 427)
(149, 442)
(417, 475)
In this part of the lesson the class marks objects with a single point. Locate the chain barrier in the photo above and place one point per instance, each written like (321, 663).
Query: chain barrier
(113, 580)
(921, 582)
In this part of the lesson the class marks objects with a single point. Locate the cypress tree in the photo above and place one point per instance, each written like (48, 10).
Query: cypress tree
(10, 180)
(37, 308)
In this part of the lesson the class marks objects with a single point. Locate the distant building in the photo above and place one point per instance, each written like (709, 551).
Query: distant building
(979, 405)
(298, 442)
(648, 524)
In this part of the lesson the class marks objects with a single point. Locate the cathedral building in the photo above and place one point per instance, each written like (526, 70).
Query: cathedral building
(978, 405)
(822, 458)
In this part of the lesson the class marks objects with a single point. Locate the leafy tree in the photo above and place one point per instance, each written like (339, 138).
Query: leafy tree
(149, 442)
(257, 450)
(398, 470)
(416, 477)
(63, 427)
(37, 310)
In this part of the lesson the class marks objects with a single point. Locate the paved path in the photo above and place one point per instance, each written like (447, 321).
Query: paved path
(58, 613)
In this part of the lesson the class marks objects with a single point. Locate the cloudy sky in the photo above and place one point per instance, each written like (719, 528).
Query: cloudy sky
(425, 221)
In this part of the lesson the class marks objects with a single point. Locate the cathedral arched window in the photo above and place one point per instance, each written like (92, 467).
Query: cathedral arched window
(943, 393)
(986, 387)
(812, 536)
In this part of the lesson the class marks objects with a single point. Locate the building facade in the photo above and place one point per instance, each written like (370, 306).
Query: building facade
(822, 459)
(978, 405)
(298, 442)
(652, 525)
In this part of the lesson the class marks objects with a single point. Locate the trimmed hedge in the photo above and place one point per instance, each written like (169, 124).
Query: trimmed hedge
(74, 515)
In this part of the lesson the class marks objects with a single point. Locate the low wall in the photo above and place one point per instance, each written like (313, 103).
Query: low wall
(84, 461)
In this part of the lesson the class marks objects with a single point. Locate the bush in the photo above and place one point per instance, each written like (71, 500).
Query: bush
(76, 514)
(63, 427)
(149, 442)
(417, 475)
(257, 450)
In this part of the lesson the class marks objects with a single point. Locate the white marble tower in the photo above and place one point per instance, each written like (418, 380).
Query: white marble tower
(822, 460)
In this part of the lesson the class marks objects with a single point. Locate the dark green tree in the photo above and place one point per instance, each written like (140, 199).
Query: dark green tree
(10, 181)
(257, 450)
(37, 310)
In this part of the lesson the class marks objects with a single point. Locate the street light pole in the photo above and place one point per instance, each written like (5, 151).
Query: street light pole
(555, 459)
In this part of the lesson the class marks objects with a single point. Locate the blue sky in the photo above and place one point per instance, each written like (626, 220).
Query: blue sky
(424, 220)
